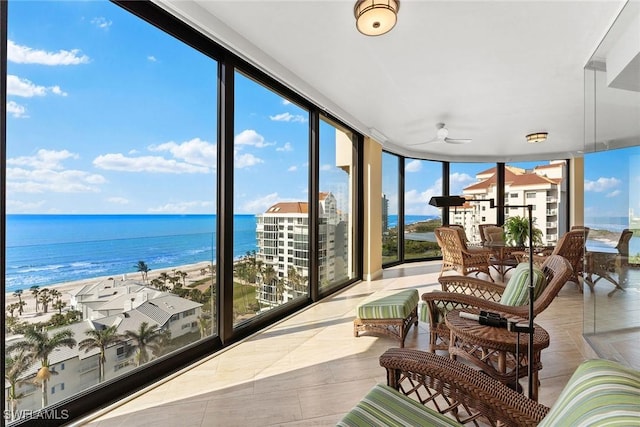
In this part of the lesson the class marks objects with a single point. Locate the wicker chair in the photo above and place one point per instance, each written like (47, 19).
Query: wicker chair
(482, 228)
(456, 255)
(600, 392)
(603, 264)
(462, 291)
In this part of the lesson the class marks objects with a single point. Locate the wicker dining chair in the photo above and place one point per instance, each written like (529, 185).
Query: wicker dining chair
(462, 292)
(603, 264)
(456, 255)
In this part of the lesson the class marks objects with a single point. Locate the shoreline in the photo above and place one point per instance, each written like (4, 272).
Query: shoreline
(67, 288)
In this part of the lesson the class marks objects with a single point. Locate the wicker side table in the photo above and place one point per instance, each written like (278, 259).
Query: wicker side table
(493, 349)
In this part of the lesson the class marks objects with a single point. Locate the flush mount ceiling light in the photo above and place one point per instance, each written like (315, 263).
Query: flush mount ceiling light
(376, 17)
(534, 138)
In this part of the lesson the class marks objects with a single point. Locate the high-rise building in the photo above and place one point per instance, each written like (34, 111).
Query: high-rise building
(282, 233)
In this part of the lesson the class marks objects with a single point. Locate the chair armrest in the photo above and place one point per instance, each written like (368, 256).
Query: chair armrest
(457, 390)
(454, 300)
(472, 286)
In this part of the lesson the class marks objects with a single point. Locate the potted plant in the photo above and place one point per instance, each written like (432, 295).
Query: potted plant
(517, 231)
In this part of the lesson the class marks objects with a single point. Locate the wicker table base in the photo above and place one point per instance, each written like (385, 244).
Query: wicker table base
(496, 351)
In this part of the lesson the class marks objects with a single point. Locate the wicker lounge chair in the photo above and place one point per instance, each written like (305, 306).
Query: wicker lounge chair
(421, 387)
(601, 265)
(456, 255)
(462, 292)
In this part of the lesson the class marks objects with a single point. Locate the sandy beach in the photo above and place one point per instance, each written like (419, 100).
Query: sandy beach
(194, 273)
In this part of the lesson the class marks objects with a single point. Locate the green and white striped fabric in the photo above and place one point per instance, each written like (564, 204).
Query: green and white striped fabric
(516, 292)
(600, 393)
(384, 406)
(396, 306)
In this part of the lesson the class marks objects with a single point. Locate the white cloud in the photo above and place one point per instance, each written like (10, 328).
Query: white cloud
(602, 184)
(26, 55)
(16, 110)
(261, 204)
(292, 168)
(27, 89)
(101, 22)
(286, 102)
(245, 160)
(413, 166)
(21, 180)
(152, 58)
(614, 193)
(286, 147)
(457, 182)
(181, 207)
(118, 200)
(155, 164)
(44, 159)
(288, 117)
(195, 151)
(326, 167)
(252, 138)
(417, 202)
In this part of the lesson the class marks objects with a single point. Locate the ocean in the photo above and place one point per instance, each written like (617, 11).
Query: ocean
(45, 250)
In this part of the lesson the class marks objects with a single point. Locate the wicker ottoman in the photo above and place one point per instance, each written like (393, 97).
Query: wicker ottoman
(390, 315)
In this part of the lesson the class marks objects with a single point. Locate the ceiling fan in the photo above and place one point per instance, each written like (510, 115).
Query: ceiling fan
(442, 136)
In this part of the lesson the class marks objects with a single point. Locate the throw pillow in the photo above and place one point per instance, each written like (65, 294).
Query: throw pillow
(516, 292)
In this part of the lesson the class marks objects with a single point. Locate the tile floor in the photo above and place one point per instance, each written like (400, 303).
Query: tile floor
(309, 370)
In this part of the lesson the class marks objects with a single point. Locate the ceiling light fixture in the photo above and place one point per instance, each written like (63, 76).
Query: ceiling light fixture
(534, 138)
(376, 17)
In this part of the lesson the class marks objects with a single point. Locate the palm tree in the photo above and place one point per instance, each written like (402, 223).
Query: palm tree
(39, 345)
(204, 324)
(100, 339)
(59, 305)
(18, 294)
(15, 366)
(45, 298)
(183, 275)
(144, 338)
(144, 269)
(35, 290)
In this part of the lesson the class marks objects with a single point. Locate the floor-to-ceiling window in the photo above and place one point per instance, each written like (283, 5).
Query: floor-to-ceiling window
(423, 180)
(390, 207)
(271, 191)
(110, 198)
(336, 205)
(113, 166)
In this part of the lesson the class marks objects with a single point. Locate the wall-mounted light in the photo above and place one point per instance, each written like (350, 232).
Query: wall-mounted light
(534, 138)
(376, 17)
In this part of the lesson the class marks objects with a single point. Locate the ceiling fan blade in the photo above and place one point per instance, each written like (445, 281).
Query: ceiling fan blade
(457, 141)
(426, 142)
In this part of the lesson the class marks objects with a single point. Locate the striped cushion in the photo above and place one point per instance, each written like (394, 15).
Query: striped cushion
(600, 392)
(517, 290)
(384, 406)
(396, 306)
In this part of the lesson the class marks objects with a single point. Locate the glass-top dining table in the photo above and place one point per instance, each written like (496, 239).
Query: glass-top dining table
(506, 257)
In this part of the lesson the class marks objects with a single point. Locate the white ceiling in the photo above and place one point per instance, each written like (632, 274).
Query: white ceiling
(493, 71)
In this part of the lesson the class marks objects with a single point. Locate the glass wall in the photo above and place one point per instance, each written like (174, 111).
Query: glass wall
(336, 205)
(611, 192)
(110, 202)
(390, 207)
(271, 213)
(422, 180)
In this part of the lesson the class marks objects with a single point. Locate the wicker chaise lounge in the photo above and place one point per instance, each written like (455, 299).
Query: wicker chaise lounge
(423, 387)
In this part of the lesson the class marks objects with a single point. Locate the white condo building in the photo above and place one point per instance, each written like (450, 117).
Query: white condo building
(282, 233)
(544, 187)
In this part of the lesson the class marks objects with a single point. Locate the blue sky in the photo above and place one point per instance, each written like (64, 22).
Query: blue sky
(107, 114)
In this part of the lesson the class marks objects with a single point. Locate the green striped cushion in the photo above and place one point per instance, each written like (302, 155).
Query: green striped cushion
(517, 290)
(384, 406)
(600, 392)
(396, 306)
